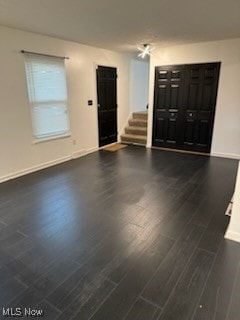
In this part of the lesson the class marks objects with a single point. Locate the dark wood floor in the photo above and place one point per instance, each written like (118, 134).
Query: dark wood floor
(131, 235)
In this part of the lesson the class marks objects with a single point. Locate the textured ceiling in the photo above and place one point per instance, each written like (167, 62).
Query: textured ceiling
(122, 25)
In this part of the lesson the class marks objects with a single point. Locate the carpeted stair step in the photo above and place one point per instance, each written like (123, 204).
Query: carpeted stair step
(140, 115)
(130, 138)
(138, 123)
(141, 131)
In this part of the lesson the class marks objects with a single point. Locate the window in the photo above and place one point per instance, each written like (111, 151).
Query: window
(47, 91)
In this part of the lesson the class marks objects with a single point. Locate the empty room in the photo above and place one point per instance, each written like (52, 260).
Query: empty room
(119, 157)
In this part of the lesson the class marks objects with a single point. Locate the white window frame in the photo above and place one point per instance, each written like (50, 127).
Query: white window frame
(33, 103)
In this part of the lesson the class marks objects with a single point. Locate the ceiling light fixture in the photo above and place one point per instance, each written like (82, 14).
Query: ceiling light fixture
(146, 50)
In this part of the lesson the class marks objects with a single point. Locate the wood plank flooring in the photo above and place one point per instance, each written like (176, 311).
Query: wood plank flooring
(131, 235)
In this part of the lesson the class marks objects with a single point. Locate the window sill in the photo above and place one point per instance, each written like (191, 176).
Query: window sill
(62, 136)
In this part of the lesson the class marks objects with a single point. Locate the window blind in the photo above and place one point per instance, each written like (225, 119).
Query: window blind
(47, 91)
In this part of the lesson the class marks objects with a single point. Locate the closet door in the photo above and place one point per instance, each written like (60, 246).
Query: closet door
(169, 81)
(184, 106)
(199, 101)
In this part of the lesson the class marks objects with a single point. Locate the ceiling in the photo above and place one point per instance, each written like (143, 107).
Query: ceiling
(122, 25)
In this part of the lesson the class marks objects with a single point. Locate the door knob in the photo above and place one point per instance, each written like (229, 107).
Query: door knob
(172, 114)
(190, 114)
(98, 105)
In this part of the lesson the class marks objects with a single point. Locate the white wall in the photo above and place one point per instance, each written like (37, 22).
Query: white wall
(233, 232)
(18, 153)
(226, 135)
(139, 85)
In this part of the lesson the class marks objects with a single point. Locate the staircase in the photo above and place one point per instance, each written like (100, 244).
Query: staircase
(136, 132)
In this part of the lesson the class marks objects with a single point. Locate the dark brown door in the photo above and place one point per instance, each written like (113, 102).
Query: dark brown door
(199, 101)
(107, 104)
(184, 106)
(167, 103)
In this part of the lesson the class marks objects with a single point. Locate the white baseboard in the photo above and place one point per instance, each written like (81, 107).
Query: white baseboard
(215, 154)
(231, 235)
(108, 145)
(83, 152)
(34, 169)
(78, 154)
(48, 164)
(226, 155)
(92, 150)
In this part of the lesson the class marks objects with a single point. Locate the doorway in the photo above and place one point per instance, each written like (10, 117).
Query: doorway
(184, 106)
(107, 105)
